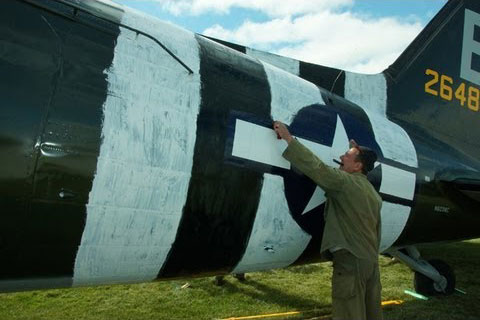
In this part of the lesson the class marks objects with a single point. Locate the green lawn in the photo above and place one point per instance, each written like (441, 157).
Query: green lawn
(303, 288)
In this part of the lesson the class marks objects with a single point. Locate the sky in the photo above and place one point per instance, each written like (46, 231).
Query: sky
(356, 35)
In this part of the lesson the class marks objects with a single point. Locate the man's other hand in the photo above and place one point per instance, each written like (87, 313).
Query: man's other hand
(282, 131)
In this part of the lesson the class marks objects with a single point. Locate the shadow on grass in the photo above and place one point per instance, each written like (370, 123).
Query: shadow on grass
(307, 268)
(462, 256)
(281, 297)
(268, 295)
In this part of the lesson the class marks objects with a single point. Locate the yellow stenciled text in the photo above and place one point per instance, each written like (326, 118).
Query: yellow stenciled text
(444, 87)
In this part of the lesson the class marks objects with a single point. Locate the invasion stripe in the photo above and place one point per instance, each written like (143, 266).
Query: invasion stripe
(222, 198)
(145, 161)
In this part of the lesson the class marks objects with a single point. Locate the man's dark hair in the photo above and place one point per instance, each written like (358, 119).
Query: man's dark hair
(367, 157)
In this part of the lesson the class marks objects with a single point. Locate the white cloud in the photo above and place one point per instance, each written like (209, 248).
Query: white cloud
(272, 8)
(341, 40)
(317, 31)
(255, 34)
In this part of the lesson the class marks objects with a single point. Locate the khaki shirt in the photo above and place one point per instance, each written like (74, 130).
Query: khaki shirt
(352, 211)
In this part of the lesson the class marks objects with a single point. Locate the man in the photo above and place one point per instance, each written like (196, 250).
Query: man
(352, 225)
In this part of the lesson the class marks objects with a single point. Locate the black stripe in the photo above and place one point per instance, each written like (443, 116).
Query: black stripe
(397, 200)
(330, 79)
(231, 45)
(222, 198)
(399, 165)
(54, 83)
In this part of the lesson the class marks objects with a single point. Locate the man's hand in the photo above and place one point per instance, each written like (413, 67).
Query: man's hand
(282, 131)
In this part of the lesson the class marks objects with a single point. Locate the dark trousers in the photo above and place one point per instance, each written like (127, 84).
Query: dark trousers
(356, 288)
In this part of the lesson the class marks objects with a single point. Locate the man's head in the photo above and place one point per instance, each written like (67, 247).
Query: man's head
(358, 159)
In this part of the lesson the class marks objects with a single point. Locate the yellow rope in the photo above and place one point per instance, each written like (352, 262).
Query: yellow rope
(292, 313)
(392, 302)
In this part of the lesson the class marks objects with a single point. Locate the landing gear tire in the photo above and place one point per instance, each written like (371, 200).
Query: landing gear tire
(427, 287)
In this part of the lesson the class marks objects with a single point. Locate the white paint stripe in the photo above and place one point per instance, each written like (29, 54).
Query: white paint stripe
(397, 182)
(288, 64)
(276, 240)
(289, 93)
(394, 219)
(257, 143)
(274, 227)
(146, 156)
(370, 93)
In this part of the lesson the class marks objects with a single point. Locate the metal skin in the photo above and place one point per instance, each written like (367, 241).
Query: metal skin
(65, 215)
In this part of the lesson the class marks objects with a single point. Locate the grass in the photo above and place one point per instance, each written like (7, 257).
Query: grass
(301, 288)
